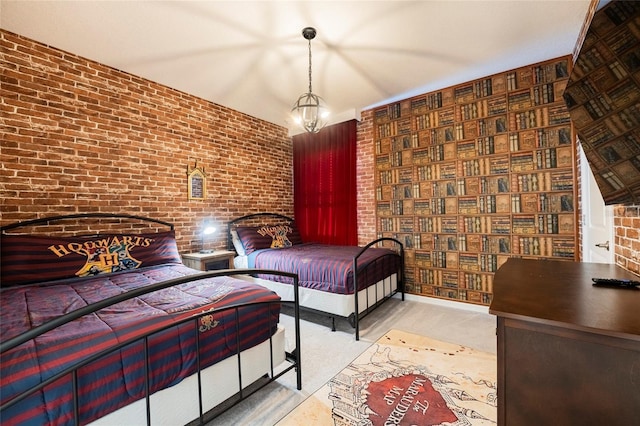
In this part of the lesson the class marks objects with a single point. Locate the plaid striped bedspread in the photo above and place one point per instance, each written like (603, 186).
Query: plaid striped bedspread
(326, 267)
(118, 379)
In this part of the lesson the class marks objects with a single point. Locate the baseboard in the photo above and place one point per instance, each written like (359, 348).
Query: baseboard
(445, 303)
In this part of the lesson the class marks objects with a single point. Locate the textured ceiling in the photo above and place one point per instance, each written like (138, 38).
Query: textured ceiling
(251, 56)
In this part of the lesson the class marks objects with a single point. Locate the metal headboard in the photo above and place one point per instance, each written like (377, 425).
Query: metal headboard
(234, 223)
(45, 220)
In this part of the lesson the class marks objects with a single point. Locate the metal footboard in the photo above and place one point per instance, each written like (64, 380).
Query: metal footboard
(292, 358)
(357, 315)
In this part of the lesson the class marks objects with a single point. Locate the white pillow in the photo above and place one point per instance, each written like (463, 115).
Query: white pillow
(237, 244)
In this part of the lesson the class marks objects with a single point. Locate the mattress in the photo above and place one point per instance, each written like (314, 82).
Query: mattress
(326, 267)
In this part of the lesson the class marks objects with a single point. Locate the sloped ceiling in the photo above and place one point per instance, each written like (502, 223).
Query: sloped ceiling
(251, 56)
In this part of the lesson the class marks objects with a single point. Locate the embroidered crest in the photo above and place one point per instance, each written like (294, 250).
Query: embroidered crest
(279, 235)
(207, 322)
(104, 255)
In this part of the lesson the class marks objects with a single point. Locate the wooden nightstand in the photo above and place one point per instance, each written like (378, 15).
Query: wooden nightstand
(219, 259)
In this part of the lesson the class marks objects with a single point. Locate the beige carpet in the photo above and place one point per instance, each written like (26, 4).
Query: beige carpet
(406, 379)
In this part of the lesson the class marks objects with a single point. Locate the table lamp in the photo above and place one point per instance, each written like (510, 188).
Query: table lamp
(207, 229)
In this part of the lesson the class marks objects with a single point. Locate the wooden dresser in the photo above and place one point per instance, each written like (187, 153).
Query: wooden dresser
(568, 352)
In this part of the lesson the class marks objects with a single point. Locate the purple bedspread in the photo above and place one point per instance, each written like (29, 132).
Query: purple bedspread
(326, 267)
(119, 378)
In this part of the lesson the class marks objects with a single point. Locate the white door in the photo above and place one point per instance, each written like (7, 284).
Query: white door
(597, 219)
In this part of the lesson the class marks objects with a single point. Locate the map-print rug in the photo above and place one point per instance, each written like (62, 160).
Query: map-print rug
(406, 379)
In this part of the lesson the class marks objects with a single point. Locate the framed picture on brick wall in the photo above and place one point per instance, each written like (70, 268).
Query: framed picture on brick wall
(197, 183)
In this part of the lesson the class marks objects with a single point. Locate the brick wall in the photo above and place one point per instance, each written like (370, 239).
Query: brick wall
(79, 136)
(365, 180)
(626, 222)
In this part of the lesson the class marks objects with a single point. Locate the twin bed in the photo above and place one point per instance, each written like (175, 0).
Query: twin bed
(326, 272)
(110, 328)
(102, 324)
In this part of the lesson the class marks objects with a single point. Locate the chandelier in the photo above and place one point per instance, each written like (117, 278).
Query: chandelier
(310, 111)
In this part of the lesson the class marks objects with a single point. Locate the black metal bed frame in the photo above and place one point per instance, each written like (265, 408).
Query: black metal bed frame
(292, 358)
(355, 317)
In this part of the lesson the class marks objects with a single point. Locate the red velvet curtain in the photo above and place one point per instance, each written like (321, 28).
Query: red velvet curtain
(324, 179)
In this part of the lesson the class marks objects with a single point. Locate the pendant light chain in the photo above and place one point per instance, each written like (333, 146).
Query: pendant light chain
(310, 91)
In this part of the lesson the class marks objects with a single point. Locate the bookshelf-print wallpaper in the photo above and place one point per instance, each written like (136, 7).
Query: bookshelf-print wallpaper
(603, 96)
(473, 174)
